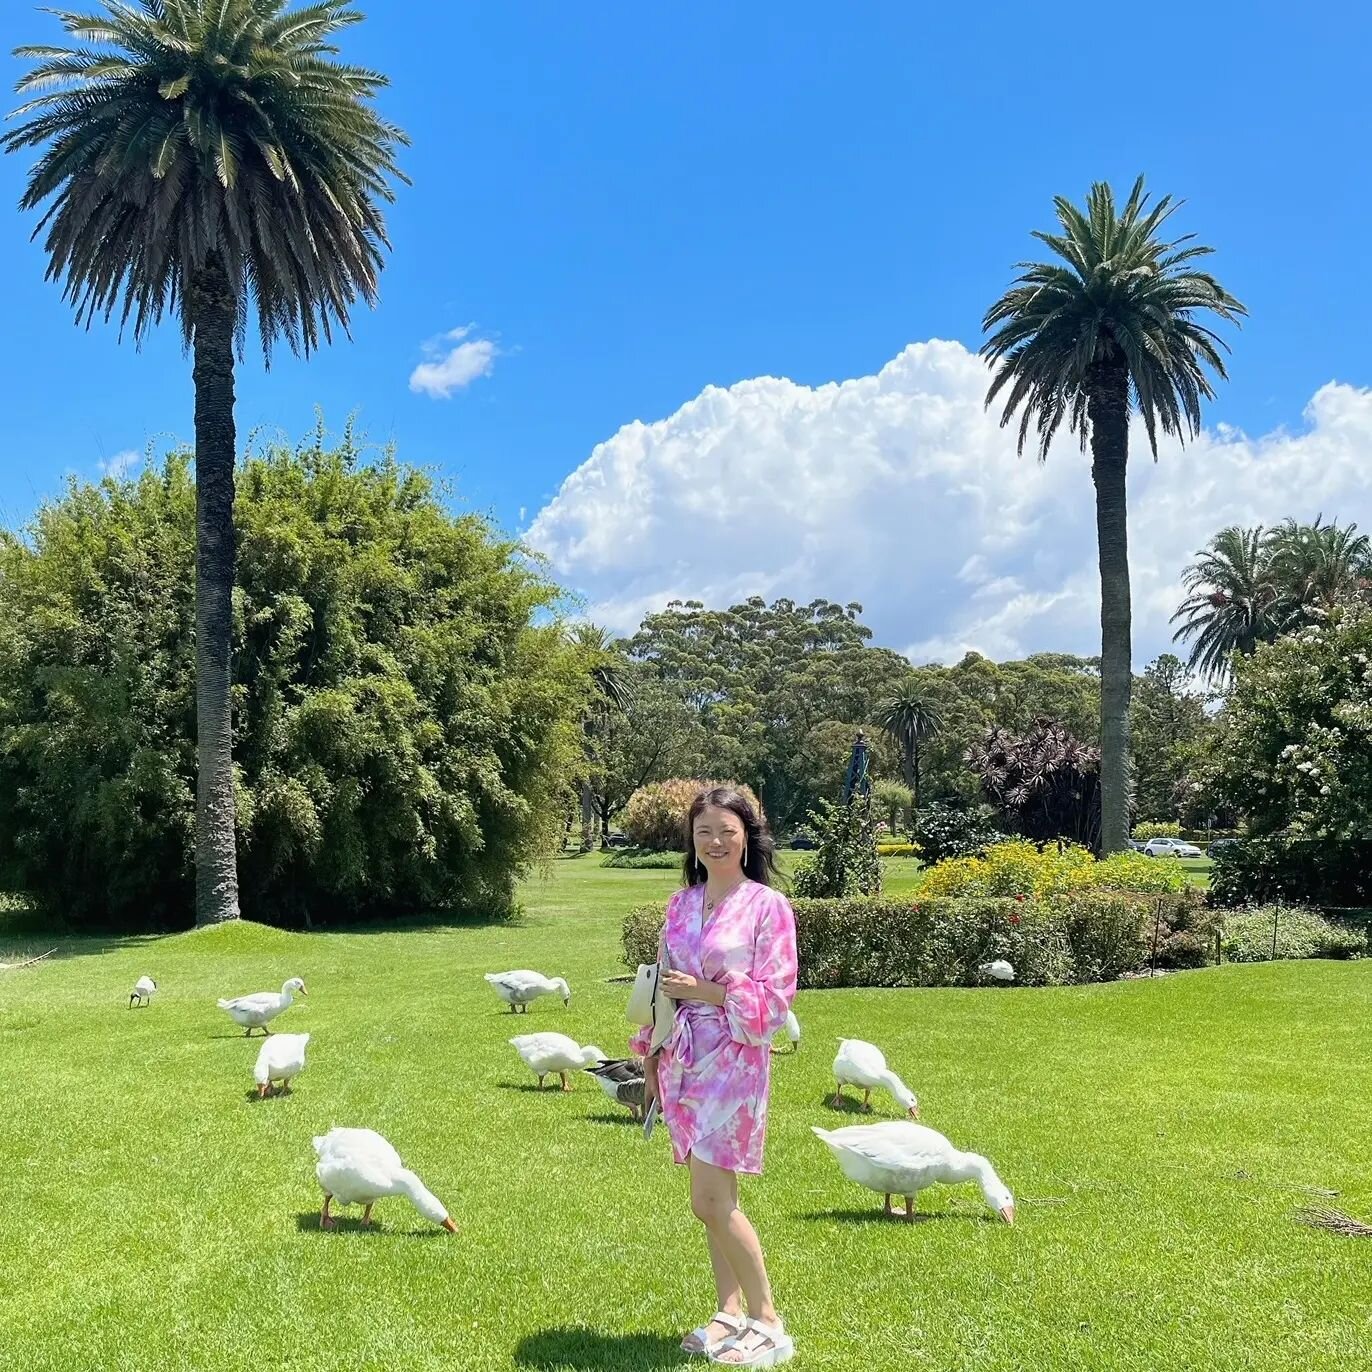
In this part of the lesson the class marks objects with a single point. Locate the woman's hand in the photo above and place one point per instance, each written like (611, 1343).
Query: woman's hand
(683, 986)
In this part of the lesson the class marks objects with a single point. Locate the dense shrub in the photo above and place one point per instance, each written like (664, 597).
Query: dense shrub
(655, 816)
(402, 731)
(846, 862)
(1329, 872)
(636, 858)
(942, 832)
(1019, 868)
(897, 850)
(1301, 933)
(1078, 936)
(1156, 828)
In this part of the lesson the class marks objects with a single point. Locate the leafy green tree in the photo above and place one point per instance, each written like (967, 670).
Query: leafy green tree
(895, 803)
(772, 686)
(1168, 715)
(1296, 749)
(209, 159)
(656, 736)
(1113, 326)
(402, 727)
(611, 694)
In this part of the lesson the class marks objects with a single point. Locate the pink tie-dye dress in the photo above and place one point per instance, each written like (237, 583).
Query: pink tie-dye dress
(714, 1071)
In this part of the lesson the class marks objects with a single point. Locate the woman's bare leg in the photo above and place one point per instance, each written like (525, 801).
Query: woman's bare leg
(714, 1200)
(728, 1292)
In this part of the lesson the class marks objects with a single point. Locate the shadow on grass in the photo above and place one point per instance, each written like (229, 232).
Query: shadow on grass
(537, 1090)
(613, 1119)
(589, 1348)
(849, 1105)
(876, 1215)
(307, 1221)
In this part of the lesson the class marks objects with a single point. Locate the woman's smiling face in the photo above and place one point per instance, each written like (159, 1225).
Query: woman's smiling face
(720, 839)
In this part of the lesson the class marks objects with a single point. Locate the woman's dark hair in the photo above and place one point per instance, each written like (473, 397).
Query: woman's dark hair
(760, 864)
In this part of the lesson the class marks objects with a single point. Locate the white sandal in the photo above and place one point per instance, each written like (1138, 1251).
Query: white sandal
(779, 1347)
(705, 1346)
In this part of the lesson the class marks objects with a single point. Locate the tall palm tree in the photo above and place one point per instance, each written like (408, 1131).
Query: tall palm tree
(910, 719)
(208, 159)
(1233, 601)
(612, 690)
(1111, 327)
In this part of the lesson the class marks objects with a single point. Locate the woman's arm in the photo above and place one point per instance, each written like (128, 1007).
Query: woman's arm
(755, 1004)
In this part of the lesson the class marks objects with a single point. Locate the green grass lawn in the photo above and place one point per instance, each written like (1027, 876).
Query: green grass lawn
(1159, 1137)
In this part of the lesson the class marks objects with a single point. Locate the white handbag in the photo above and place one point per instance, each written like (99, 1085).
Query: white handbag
(649, 1004)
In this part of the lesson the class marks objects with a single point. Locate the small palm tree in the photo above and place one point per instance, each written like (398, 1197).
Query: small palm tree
(1233, 601)
(910, 720)
(1317, 566)
(1111, 327)
(209, 159)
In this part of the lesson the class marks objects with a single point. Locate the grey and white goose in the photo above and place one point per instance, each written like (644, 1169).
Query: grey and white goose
(622, 1080)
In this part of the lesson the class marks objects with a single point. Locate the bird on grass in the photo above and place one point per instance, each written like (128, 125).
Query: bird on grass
(863, 1064)
(547, 1053)
(521, 986)
(256, 1011)
(359, 1167)
(281, 1058)
(622, 1079)
(896, 1158)
(142, 992)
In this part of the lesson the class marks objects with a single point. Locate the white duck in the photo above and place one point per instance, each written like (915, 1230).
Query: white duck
(253, 1012)
(358, 1167)
(281, 1057)
(999, 970)
(895, 1158)
(546, 1053)
(519, 987)
(862, 1064)
(792, 1032)
(142, 992)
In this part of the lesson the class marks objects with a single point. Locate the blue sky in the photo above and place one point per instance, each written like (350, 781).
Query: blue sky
(626, 205)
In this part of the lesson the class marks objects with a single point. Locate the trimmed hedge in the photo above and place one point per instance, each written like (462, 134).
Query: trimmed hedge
(638, 858)
(1073, 937)
(897, 850)
(1301, 933)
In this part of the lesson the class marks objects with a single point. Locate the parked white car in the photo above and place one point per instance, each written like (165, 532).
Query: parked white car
(1170, 847)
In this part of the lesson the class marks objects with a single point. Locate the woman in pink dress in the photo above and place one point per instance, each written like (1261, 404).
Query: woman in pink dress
(729, 955)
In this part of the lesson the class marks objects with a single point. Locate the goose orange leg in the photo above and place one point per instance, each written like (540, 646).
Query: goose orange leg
(326, 1220)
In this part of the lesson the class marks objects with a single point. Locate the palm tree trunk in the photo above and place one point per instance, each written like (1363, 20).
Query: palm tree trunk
(587, 817)
(1109, 415)
(216, 859)
(913, 782)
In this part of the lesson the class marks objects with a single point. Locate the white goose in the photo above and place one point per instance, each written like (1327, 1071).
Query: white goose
(281, 1057)
(999, 970)
(547, 1053)
(142, 992)
(519, 987)
(895, 1158)
(253, 1012)
(358, 1167)
(792, 1032)
(863, 1064)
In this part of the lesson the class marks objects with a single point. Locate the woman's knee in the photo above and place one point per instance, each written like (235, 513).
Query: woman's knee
(711, 1206)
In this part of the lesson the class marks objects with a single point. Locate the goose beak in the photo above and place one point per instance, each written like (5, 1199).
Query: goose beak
(303, 991)
(449, 1225)
(913, 1112)
(1007, 1213)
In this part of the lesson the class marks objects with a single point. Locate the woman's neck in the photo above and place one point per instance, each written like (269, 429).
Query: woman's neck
(717, 885)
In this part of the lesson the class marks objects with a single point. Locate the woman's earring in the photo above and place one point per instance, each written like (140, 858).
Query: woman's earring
(744, 863)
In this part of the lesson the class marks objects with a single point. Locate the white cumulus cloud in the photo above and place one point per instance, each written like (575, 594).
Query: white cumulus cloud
(901, 491)
(454, 361)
